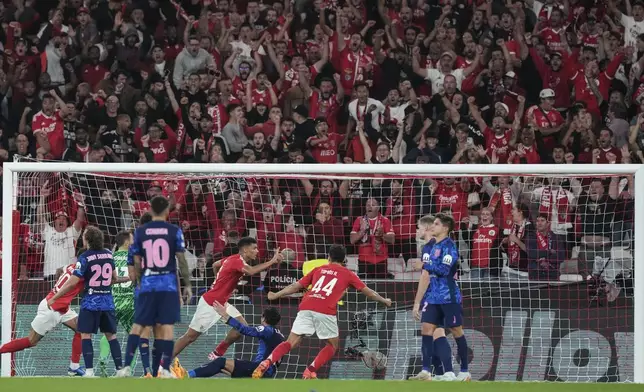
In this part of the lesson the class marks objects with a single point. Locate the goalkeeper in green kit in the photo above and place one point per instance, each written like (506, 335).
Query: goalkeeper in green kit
(124, 295)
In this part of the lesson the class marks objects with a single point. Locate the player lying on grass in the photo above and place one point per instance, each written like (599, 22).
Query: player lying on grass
(124, 296)
(95, 267)
(441, 297)
(48, 317)
(267, 334)
(228, 273)
(318, 309)
(158, 254)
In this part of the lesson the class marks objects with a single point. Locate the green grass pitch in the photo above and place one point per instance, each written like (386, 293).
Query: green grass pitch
(247, 385)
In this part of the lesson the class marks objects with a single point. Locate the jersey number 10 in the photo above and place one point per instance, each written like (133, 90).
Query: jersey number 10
(327, 289)
(157, 253)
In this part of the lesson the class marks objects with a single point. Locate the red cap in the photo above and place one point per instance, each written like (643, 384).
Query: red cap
(61, 213)
(83, 10)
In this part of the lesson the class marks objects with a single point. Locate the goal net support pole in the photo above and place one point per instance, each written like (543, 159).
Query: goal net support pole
(11, 171)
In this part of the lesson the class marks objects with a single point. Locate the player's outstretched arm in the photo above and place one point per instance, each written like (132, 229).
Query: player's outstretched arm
(277, 258)
(291, 289)
(255, 332)
(423, 284)
(184, 269)
(71, 282)
(372, 295)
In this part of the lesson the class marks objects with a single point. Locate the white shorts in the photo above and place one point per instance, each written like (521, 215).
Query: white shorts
(309, 322)
(205, 316)
(47, 319)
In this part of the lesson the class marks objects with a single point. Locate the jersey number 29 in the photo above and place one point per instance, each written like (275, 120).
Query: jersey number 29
(326, 288)
(102, 275)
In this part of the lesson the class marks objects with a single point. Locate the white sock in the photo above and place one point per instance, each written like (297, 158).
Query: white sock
(74, 366)
(89, 372)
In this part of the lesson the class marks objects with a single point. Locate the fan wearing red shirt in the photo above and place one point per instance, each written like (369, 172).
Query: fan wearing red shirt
(448, 194)
(548, 120)
(318, 309)
(554, 75)
(551, 35)
(372, 233)
(353, 61)
(497, 138)
(324, 146)
(229, 271)
(606, 153)
(47, 126)
(484, 241)
(601, 80)
(48, 317)
(161, 148)
(323, 102)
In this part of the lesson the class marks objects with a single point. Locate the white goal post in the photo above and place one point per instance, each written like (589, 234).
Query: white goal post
(11, 171)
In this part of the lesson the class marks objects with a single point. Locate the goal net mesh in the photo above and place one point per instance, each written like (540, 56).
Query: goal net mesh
(546, 263)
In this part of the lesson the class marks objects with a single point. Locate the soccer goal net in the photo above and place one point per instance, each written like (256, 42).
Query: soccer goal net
(547, 257)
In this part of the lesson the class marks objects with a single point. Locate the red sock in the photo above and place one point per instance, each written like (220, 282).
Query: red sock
(221, 348)
(323, 357)
(280, 351)
(15, 345)
(77, 348)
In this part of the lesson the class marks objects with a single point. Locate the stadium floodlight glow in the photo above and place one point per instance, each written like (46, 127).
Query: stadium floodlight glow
(522, 325)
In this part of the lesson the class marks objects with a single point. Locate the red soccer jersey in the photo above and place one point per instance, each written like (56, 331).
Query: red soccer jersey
(352, 67)
(53, 129)
(326, 151)
(62, 304)
(371, 250)
(329, 284)
(484, 238)
(327, 108)
(547, 119)
(498, 143)
(231, 270)
(453, 198)
(552, 38)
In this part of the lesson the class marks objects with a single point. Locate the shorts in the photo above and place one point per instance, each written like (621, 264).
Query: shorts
(245, 369)
(445, 315)
(157, 307)
(47, 319)
(91, 321)
(309, 322)
(205, 316)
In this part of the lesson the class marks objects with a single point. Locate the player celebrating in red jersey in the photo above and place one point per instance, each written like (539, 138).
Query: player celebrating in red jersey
(230, 270)
(47, 318)
(318, 309)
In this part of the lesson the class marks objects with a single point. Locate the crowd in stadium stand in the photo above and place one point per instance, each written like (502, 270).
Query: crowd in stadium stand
(333, 81)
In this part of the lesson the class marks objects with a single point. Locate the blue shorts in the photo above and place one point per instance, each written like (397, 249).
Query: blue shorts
(91, 321)
(244, 369)
(445, 315)
(158, 307)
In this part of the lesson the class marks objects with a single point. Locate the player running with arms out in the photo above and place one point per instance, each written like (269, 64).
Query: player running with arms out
(157, 248)
(441, 295)
(318, 309)
(268, 335)
(229, 271)
(95, 267)
(48, 317)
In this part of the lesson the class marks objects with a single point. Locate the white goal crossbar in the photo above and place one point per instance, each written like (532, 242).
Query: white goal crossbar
(329, 170)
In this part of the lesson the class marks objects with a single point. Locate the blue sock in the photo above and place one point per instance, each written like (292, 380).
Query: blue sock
(427, 351)
(156, 357)
(144, 350)
(461, 345)
(210, 369)
(115, 349)
(166, 347)
(444, 352)
(88, 353)
(438, 366)
(130, 348)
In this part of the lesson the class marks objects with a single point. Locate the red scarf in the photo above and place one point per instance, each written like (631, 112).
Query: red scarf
(503, 213)
(543, 241)
(376, 245)
(513, 249)
(561, 204)
(215, 113)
